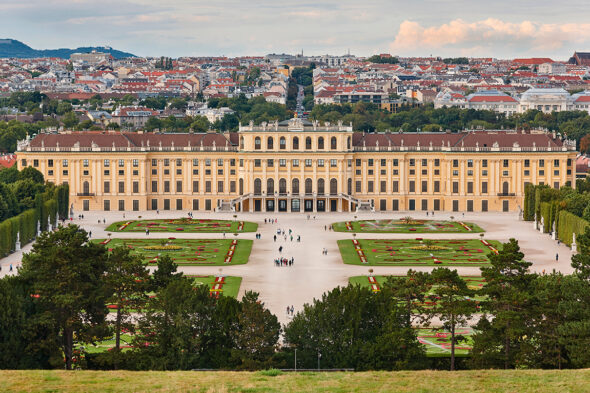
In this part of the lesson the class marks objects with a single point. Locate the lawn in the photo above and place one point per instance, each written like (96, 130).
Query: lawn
(427, 381)
(438, 342)
(417, 252)
(406, 226)
(200, 252)
(219, 285)
(184, 224)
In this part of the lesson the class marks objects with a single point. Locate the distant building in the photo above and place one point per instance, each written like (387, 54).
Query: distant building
(552, 69)
(93, 57)
(493, 100)
(580, 58)
(545, 100)
(135, 116)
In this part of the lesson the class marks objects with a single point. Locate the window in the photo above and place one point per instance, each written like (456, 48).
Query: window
(208, 186)
(333, 163)
(166, 162)
(50, 163)
(220, 162)
(106, 205)
(556, 172)
(154, 162)
(308, 143)
(541, 163)
(505, 188)
(395, 186)
(370, 186)
(257, 163)
(295, 143)
(269, 143)
(308, 162)
(321, 187)
(154, 186)
(455, 163)
(484, 187)
(195, 204)
(85, 163)
(166, 204)
(527, 172)
(412, 162)
(484, 163)
(106, 163)
(207, 162)
(383, 186)
(107, 187)
(121, 172)
(195, 162)
(370, 162)
(270, 163)
(321, 143)
(179, 171)
(178, 186)
(470, 172)
(295, 162)
(527, 163)
(469, 163)
(505, 163)
(270, 186)
(64, 163)
(320, 162)
(121, 163)
(166, 185)
(195, 186)
(282, 162)
(135, 205)
(556, 163)
(470, 187)
(257, 143)
(436, 186)
(395, 206)
(220, 186)
(396, 162)
(424, 204)
(333, 143)
(455, 187)
(154, 204)
(207, 204)
(357, 186)
(135, 187)
(282, 143)
(424, 162)
(135, 162)
(455, 172)
(412, 186)
(295, 186)
(50, 172)
(257, 186)
(424, 172)
(232, 186)
(504, 173)
(484, 172)
(424, 186)
(121, 205)
(436, 162)
(541, 172)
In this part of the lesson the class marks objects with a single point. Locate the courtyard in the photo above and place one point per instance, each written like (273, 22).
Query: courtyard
(184, 224)
(406, 224)
(313, 272)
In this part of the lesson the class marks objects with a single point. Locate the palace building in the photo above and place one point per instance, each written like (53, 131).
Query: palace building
(300, 166)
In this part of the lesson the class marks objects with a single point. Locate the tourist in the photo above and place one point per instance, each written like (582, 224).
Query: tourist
(288, 309)
(291, 237)
(556, 257)
(10, 267)
(325, 228)
(147, 231)
(298, 238)
(292, 309)
(157, 211)
(281, 249)
(99, 220)
(89, 234)
(224, 235)
(275, 237)
(265, 220)
(426, 214)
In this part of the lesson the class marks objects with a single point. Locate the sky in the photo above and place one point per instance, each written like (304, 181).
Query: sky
(499, 28)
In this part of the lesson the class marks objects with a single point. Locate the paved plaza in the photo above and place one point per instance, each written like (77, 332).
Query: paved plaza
(314, 273)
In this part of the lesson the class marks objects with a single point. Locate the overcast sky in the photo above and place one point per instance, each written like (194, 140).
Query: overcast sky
(499, 28)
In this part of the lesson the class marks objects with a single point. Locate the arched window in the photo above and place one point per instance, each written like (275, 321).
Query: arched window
(349, 187)
(308, 143)
(241, 186)
(321, 187)
(295, 143)
(333, 143)
(282, 143)
(348, 143)
(282, 186)
(270, 187)
(269, 143)
(334, 186)
(86, 188)
(257, 186)
(257, 143)
(505, 187)
(295, 187)
(321, 143)
(308, 186)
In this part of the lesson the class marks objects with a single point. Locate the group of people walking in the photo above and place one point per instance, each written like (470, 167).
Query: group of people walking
(284, 262)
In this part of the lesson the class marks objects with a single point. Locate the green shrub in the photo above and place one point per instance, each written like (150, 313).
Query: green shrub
(271, 372)
(568, 224)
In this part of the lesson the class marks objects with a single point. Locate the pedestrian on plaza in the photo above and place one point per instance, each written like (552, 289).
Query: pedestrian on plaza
(157, 211)
(99, 220)
(426, 214)
(265, 220)
(90, 234)
(10, 267)
(288, 309)
(556, 257)
(290, 231)
(291, 237)
(325, 228)
(292, 309)
(224, 235)
(123, 215)
(147, 231)
(281, 249)
(104, 220)
(298, 238)
(275, 237)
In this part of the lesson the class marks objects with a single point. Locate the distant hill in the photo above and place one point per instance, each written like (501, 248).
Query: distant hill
(14, 48)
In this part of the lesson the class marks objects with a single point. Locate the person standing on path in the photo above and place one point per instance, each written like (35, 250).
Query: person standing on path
(275, 237)
(556, 257)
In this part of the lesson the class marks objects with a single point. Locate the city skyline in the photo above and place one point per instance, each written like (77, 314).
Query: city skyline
(233, 28)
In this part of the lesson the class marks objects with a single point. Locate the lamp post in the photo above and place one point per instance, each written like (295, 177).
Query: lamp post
(319, 357)
(295, 359)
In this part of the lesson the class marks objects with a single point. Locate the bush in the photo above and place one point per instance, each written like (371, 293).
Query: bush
(271, 372)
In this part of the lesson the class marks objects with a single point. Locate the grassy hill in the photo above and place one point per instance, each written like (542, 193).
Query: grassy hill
(12, 48)
(214, 382)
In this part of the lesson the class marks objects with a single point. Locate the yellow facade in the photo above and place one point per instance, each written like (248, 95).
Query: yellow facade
(300, 166)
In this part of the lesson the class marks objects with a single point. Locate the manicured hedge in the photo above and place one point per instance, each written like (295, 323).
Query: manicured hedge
(567, 224)
(529, 202)
(46, 206)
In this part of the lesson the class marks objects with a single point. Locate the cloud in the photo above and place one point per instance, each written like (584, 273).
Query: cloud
(489, 35)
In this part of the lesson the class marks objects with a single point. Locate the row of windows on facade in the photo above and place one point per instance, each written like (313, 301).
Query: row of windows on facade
(166, 188)
(320, 145)
(295, 162)
(154, 205)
